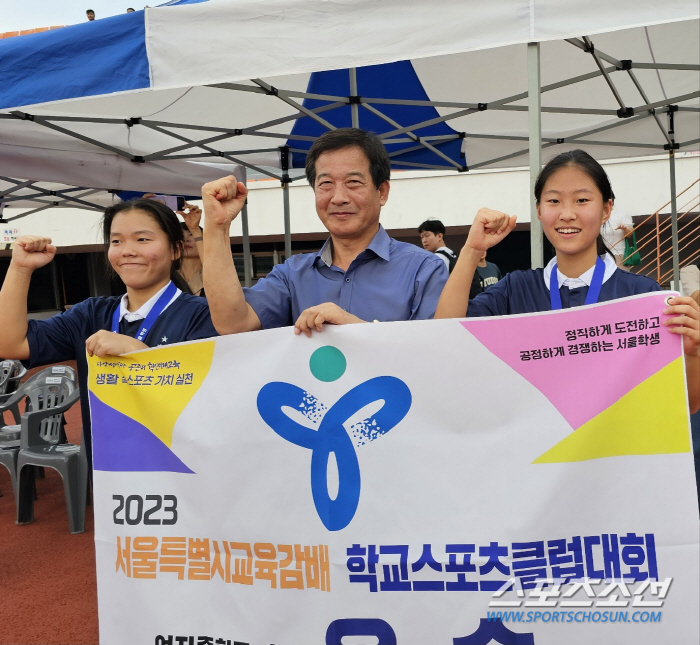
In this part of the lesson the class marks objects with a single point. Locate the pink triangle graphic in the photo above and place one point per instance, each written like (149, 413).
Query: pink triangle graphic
(582, 385)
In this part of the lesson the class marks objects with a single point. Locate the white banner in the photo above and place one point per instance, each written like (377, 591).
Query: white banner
(402, 483)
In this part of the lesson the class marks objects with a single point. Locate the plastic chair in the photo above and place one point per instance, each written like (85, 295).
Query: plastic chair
(10, 402)
(17, 375)
(6, 369)
(41, 445)
(8, 452)
(60, 370)
(8, 458)
(9, 434)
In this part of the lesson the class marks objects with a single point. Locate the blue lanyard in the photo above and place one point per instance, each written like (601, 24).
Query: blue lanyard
(156, 311)
(593, 290)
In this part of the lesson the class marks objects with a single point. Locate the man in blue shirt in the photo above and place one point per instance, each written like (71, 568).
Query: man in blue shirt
(359, 275)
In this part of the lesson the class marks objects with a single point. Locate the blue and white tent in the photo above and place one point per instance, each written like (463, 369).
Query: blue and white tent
(166, 98)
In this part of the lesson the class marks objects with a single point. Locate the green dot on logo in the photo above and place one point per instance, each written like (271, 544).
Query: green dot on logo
(327, 363)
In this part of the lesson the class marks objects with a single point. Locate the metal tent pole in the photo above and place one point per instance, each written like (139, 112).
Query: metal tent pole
(285, 195)
(247, 258)
(534, 111)
(674, 211)
(287, 222)
(354, 111)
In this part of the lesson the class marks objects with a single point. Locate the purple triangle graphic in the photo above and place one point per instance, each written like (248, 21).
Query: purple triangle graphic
(120, 444)
(582, 385)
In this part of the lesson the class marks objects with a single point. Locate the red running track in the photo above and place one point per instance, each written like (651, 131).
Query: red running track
(47, 576)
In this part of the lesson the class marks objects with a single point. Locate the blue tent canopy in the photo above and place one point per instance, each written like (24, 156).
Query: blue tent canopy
(390, 81)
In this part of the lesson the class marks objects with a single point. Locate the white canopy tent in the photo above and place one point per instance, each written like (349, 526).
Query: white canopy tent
(447, 84)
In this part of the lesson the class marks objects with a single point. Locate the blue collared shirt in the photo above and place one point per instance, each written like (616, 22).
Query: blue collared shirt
(389, 280)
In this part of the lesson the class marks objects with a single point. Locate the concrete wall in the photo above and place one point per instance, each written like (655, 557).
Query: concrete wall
(641, 186)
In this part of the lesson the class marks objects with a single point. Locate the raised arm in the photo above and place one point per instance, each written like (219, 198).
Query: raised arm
(488, 229)
(230, 313)
(30, 253)
(192, 215)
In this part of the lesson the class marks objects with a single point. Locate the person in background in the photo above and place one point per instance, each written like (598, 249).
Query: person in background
(489, 274)
(90, 15)
(432, 237)
(690, 281)
(574, 199)
(690, 286)
(359, 275)
(614, 231)
(191, 269)
(130, 10)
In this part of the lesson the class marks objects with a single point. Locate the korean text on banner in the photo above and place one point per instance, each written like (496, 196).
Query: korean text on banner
(533, 485)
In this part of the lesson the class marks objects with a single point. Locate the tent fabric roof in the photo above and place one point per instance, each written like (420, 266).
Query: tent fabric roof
(232, 82)
(218, 41)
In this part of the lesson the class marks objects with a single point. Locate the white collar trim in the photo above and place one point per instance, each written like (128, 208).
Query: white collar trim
(145, 308)
(583, 280)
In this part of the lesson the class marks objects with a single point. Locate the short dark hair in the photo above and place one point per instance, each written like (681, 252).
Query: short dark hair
(368, 142)
(89, 11)
(585, 163)
(432, 226)
(167, 222)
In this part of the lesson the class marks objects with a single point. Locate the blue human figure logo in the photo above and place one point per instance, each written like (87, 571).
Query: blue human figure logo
(331, 436)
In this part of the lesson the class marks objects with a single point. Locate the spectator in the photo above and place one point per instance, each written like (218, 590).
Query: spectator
(489, 274)
(130, 10)
(191, 269)
(90, 15)
(143, 241)
(359, 275)
(690, 286)
(690, 281)
(614, 232)
(574, 199)
(432, 237)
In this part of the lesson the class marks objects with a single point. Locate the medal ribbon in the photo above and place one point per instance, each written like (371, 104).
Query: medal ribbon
(153, 314)
(593, 291)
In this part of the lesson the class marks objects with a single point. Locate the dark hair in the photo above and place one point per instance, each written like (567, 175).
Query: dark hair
(369, 143)
(166, 220)
(186, 228)
(433, 226)
(89, 11)
(584, 162)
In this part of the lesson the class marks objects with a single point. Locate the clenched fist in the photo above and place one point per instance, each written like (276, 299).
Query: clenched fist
(223, 200)
(31, 252)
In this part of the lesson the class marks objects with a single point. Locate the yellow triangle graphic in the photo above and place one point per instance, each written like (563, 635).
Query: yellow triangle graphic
(650, 419)
(152, 387)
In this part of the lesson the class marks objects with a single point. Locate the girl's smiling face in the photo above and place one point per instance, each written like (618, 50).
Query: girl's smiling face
(572, 210)
(139, 250)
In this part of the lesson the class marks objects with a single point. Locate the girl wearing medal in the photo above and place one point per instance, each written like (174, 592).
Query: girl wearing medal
(144, 245)
(574, 199)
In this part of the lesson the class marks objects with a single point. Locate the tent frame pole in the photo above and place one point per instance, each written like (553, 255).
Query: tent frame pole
(284, 159)
(674, 209)
(247, 258)
(423, 144)
(534, 104)
(354, 107)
